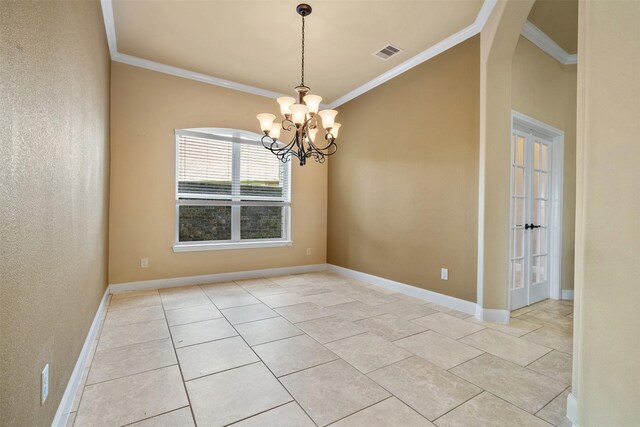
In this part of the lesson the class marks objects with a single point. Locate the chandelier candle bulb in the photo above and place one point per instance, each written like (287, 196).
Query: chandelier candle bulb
(298, 113)
(285, 104)
(334, 129)
(266, 121)
(275, 131)
(312, 134)
(328, 118)
(313, 102)
(300, 119)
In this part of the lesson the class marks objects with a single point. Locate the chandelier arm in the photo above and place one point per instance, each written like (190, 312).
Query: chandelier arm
(318, 156)
(284, 149)
(289, 124)
(272, 145)
(322, 149)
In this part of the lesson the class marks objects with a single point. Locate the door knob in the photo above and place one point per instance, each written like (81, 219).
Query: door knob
(531, 226)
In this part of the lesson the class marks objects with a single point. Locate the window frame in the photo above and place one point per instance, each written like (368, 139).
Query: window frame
(237, 138)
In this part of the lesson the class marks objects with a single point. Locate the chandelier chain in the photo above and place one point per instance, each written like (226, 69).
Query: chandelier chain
(302, 84)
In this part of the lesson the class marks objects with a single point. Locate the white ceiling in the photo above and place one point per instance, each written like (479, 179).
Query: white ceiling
(257, 42)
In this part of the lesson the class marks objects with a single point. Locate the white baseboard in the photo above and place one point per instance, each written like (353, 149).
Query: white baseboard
(60, 420)
(213, 278)
(567, 294)
(434, 297)
(572, 409)
(492, 315)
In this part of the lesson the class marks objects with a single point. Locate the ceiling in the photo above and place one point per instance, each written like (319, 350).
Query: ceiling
(558, 19)
(258, 42)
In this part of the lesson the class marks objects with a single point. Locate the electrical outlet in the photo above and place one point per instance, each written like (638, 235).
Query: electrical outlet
(45, 384)
(144, 262)
(444, 273)
(308, 251)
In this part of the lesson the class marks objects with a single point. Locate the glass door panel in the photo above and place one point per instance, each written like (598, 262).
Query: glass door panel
(529, 231)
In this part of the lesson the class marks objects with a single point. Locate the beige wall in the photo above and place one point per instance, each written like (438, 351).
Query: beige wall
(54, 116)
(403, 186)
(544, 89)
(146, 107)
(606, 375)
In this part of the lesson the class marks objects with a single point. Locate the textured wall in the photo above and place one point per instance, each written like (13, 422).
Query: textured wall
(146, 107)
(544, 89)
(54, 116)
(403, 188)
(606, 373)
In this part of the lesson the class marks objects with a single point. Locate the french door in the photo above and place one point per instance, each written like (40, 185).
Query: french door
(529, 224)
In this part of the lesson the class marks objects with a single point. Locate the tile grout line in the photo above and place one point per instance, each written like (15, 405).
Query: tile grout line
(130, 375)
(135, 343)
(408, 336)
(343, 338)
(554, 397)
(534, 361)
(391, 395)
(548, 403)
(461, 363)
(137, 322)
(269, 369)
(260, 413)
(196, 321)
(175, 352)
(502, 358)
(514, 404)
(223, 370)
(153, 416)
(134, 308)
(462, 403)
(310, 367)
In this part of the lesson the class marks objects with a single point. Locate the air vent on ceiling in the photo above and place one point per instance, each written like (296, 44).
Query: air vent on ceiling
(387, 52)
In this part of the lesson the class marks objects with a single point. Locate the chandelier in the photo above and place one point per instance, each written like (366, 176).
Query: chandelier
(302, 118)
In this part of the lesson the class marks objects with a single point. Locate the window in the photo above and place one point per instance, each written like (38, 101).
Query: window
(230, 191)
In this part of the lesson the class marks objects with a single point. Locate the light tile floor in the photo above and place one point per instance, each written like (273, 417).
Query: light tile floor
(321, 349)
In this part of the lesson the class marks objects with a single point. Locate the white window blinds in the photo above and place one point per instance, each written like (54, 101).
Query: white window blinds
(229, 189)
(228, 167)
(204, 167)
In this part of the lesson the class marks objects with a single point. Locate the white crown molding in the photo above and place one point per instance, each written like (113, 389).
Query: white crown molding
(192, 75)
(423, 56)
(544, 42)
(109, 26)
(66, 403)
(459, 37)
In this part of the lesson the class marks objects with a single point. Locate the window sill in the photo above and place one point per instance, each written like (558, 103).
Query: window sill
(196, 247)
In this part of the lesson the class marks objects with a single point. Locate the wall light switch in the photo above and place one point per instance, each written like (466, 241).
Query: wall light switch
(45, 384)
(308, 251)
(444, 273)
(144, 262)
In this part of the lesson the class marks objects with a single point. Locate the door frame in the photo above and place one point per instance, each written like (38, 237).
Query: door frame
(528, 124)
